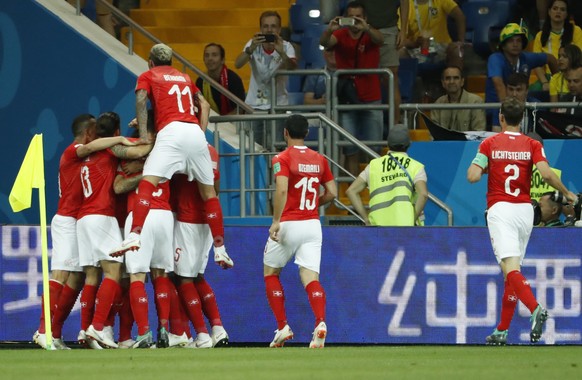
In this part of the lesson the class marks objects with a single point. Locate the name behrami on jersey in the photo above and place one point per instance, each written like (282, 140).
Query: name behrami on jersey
(306, 171)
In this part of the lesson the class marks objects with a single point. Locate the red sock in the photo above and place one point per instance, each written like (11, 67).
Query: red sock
(522, 289)
(141, 205)
(87, 305)
(177, 325)
(191, 302)
(115, 307)
(508, 305)
(138, 299)
(209, 305)
(125, 317)
(214, 220)
(104, 301)
(163, 288)
(64, 306)
(55, 289)
(276, 298)
(316, 296)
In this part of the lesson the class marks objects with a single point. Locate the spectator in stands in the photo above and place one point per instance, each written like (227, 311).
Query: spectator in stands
(458, 119)
(397, 183)
(357, 46)
(214, 56)
(517, 86)
(568, 56)
(575, 87)
(550, 210)
(384, 16)
(104, 18)
(511, 59)
(428, 35)
(556, 32)
(266, 52)
(314, 86)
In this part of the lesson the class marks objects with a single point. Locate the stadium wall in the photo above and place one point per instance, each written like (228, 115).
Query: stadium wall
(383, 285)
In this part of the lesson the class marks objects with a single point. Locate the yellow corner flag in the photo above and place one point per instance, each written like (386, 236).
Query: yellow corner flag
(31, 175)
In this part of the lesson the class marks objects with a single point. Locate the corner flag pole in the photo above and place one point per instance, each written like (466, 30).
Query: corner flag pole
(31, 175)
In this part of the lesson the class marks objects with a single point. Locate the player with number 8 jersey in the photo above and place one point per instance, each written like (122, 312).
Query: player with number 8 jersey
(296, 229)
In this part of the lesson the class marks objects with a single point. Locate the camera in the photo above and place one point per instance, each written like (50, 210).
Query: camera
(347, 21)
(269, 37)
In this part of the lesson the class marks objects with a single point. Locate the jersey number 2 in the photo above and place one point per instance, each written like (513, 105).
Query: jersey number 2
(307, 189)
(514, 169)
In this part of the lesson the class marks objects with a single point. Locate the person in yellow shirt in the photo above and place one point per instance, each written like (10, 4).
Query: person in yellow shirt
(428, 36)
(568, 56)
(556, 32)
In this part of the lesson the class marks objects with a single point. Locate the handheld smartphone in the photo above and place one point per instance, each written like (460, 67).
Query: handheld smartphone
(269, 37)
(347, 21)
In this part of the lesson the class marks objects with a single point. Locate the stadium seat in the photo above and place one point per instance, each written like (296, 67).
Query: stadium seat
(314, 30)
(485, 17)
(295, 98)
(407, 73)
(295, 83)
(311, 53)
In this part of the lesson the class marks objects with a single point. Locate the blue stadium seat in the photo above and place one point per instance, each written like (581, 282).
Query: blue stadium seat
(295, 83)
(311, 53)
(407, 73)
(314, 30)
(295, 98)
(482, 17)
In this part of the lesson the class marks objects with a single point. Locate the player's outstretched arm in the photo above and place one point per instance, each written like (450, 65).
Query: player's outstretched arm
(330, 193)
(122, 184)
(553, 180)
(100, 144)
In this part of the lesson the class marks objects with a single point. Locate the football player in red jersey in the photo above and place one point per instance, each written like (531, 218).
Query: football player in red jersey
(508, 157)
(180, 144)
(192, 242)
(67, 275)
(98, 231)
(296, 230)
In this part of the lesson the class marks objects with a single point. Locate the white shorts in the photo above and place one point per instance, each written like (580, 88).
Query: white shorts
(97, 235)
(180, 148)
(192, 243)
(156, 243)
(510, 226)
(65, 254)
(301, 238)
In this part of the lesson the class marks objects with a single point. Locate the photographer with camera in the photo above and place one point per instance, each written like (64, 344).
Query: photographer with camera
(357, 46)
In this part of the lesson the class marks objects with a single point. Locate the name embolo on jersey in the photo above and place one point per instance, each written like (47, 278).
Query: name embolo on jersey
(306, 170)
(511, 157)
(171, 93)
(70, 189)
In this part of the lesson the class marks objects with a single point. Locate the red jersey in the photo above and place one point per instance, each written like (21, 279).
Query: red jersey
(171, 94)
(368, 57)
(511, 157)
(306, 170)
(70, 189)
(98, 172)
(186, 199)
(160, 197)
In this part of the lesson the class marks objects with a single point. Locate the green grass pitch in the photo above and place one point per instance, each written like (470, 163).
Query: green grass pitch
(340, 362)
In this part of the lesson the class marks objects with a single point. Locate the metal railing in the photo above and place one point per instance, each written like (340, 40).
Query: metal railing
(327, 123)
(133, 26)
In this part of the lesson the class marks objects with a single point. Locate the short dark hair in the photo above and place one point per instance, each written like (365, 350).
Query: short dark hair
(356, 4)
(453, 67)
(512, 109)
(297, 126)
(219, 46)
(81, 123)
(269, 14)
(107, 124)
(517, 79)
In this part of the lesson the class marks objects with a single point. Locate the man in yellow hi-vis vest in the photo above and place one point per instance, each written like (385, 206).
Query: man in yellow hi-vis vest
(397, 184)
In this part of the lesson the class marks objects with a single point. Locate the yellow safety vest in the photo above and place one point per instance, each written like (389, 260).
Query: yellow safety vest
(391, 194)
(539, 186)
